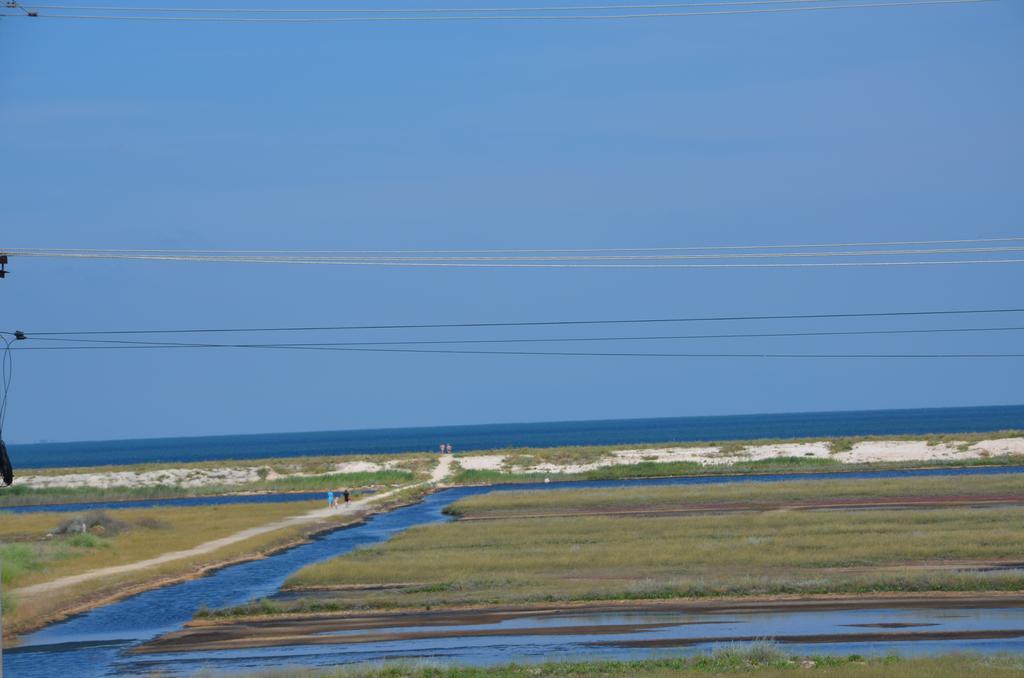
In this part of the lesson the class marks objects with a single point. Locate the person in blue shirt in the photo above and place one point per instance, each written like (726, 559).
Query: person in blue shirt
(330, 499)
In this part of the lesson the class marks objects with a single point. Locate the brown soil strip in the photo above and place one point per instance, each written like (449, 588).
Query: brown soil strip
(214, 641)
(889, 625)
(821, 638)
(803, 505)
(293, 629)
(352, 587)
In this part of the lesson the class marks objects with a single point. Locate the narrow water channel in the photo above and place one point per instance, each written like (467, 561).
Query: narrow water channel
(94, 643)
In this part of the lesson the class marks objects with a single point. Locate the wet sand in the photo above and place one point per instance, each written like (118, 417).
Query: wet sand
(306, 629)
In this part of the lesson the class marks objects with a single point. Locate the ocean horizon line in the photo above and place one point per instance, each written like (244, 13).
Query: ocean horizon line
(467, 437)
(546, 422)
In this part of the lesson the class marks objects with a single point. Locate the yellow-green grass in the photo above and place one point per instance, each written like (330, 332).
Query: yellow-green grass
(736, 663)
(654, 469)
(30, 557)
(513, 561)
(496, 504)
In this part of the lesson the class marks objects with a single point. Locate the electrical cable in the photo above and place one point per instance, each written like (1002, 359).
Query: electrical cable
(614, 354)
(898, 243)
(497, 17)
(421, 10)
(538, 323)
(420, 264)
(121, 343)
(349, 259)
(6, 374)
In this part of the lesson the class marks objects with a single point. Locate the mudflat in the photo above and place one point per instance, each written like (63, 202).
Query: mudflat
(241, 633)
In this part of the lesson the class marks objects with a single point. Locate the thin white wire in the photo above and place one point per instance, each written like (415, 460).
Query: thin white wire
(467, 264)
(517, 259)
(898, 243)
(424, 10)
(500, 17)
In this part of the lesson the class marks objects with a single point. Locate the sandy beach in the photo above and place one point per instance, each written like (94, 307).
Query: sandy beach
(190, 477)
(871, 451)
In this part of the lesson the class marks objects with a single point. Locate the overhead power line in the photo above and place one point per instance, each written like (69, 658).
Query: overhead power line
(537, 323)
(628, 355)
(486, 18)
(896, 243)
(426, 264)
(418, 10)
(773, 259)
(350, 259)
(127, 344)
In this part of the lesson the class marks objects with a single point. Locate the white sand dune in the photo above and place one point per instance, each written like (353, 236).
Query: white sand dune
(862, 452)
(187, 477)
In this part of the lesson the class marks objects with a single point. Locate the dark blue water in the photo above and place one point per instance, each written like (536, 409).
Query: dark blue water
(93, 644)
(277, 498)
(546, 434)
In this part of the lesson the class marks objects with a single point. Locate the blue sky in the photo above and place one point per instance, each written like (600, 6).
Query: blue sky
(819, 127)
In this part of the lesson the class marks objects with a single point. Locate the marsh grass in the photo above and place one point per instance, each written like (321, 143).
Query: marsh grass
(155, 531)
(651, 469)
(568, 500)
(736, 664)
(35, 558)
(612, 557)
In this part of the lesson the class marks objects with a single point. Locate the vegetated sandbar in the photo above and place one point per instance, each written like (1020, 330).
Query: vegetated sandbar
(670, 459)
(170, 480)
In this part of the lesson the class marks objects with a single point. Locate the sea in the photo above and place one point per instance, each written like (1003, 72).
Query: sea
(500, 436)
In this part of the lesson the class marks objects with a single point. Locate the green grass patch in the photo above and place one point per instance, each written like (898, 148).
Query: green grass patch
(338, 481)
(18, 560)
(496, 504)
(763, 660)
(653, 469)
(576, 558)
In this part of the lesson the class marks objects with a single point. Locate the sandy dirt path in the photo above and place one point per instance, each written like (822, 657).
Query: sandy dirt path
(439, 473)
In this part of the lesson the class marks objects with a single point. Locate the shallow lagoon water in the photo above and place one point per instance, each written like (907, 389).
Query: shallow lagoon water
(94, 643)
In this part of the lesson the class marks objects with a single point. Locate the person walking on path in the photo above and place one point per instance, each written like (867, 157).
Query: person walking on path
(442, 448)
(449, 448)
(346, 495)
(330, 499)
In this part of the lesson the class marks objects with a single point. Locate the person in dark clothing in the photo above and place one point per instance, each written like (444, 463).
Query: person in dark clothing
(346, 495)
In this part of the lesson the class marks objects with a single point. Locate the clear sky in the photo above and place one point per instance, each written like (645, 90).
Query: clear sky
(886, 124)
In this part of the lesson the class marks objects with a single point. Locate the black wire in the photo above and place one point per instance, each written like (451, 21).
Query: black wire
(7, 374)
(534, 323)
(122, 343)
(547, 353)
